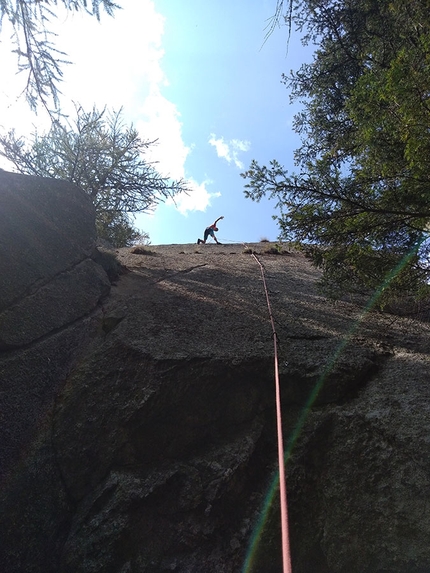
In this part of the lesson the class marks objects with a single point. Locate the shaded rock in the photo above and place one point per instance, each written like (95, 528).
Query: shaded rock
(146, 436)
(46, 227)
(327, 371)
(69, 296)
(141, 250)
(107, 259)
(50, 289)
(149, 402)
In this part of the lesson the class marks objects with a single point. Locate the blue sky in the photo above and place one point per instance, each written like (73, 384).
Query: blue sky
(198, 76)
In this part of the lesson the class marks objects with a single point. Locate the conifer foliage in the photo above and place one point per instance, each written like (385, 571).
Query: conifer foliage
(104, 157)
(359, 199)
(34, 41)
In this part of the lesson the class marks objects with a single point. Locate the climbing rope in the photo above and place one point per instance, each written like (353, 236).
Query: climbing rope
(286, 557)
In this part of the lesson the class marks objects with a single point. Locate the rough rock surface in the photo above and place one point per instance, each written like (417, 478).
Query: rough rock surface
(50, 287)
(153, 444)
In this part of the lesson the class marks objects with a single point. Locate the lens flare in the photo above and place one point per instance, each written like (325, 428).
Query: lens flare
(270, 496)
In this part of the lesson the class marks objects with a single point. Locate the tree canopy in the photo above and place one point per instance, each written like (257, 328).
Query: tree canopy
(359, 202)
(105, 158)
(38, 56)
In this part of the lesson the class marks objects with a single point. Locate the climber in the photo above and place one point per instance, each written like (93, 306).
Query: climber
(210, 231)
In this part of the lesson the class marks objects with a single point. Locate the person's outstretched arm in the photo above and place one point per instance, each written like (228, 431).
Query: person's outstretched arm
(219, 219)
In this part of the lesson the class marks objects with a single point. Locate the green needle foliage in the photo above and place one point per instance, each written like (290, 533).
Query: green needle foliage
(359, 203)
(105, 158)
(34, 43)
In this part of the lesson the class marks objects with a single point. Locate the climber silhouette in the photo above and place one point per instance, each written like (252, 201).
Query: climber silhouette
(209, 231)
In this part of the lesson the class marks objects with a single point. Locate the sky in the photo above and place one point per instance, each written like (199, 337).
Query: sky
(203, 79)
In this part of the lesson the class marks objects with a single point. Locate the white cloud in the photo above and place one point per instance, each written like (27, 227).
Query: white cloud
(160, 120)
(139, 78)
(114, 59)
(198, 198)
(229, 150)
(116, 63)
(222, 149)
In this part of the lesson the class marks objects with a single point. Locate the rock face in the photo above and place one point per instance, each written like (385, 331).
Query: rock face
(49, 290)
(139, 422)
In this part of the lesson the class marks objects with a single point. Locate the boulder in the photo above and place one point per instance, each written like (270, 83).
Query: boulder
(46, 228)
(50, 292)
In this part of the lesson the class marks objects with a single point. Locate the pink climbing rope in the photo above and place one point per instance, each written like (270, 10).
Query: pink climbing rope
(286, 557)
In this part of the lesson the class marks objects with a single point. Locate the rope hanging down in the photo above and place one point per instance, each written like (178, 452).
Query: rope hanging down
(286, 558)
